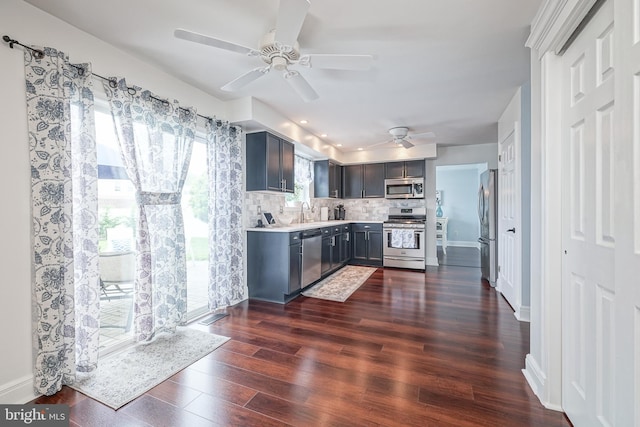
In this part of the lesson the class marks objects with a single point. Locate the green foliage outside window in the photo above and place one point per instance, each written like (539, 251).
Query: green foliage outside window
(199, 197)
(297, 196)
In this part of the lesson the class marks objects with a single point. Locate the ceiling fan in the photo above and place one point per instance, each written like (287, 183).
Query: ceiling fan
(400, 136)
(279, 49)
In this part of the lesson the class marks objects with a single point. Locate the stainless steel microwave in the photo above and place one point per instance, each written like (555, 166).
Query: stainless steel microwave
(409, 188)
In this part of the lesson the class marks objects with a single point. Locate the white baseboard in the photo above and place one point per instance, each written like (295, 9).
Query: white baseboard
(523, 314)
(432, 261)
(18, 391)
(536, 379)
(463, 244)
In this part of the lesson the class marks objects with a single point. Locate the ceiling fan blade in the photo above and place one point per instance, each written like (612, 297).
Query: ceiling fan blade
(291, 14)
(245, 79)
(212, 41)
(337, 62)
(405, 143)
(300, 85)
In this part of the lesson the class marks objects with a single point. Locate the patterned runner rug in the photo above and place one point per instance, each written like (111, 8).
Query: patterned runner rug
(123, 376)
(341, 284)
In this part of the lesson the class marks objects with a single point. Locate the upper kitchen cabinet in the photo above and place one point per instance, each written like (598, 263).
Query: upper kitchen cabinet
(270, 163)
(408, 169)
(363, 181)
(327, 179)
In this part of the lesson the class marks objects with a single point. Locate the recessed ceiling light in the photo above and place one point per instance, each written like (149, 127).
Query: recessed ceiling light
(303, 122)
(323, 135)
(338, 145)
(360, 148)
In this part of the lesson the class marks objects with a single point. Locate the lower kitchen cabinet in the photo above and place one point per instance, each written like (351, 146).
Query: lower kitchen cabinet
(274, 265)
(327, 250)
(366, 244)
(345, 244)
(281, 263)
(332, 257)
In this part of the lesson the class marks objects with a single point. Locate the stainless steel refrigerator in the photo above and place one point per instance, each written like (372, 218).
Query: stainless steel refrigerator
(488, 215)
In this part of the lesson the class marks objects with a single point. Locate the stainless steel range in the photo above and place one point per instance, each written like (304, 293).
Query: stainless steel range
(404, 238)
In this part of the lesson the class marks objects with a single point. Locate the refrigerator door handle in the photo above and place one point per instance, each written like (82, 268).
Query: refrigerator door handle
(481, 203)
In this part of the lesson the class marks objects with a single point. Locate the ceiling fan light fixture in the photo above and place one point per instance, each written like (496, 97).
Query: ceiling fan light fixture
(279, 63)
(399, 132)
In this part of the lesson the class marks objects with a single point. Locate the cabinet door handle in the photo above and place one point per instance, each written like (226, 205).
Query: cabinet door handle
(366, 236)
(511, 230)
(347, 237)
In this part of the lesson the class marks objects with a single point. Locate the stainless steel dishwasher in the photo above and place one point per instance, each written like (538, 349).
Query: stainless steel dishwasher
(311, 256)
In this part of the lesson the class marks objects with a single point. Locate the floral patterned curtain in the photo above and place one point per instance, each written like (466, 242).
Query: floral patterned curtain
(224, 158)
(156, 138)
(64, 176)
(303, 169)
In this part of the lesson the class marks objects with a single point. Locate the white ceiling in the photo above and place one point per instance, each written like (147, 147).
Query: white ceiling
(443, 66)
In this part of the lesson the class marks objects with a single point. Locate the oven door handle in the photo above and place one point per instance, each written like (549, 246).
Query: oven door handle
(397, 258)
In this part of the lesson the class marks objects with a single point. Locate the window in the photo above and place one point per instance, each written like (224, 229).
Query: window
(303, 181)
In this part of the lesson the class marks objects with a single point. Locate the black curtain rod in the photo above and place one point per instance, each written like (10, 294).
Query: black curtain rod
(39, 54)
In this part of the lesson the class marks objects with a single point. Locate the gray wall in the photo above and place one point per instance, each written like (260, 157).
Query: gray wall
(459, 187)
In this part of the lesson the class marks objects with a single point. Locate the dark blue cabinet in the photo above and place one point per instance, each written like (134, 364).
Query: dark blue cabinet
(270, 163)
(367, 244)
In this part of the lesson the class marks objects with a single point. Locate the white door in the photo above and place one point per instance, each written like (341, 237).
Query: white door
(508, 232)
(626, 150)
(588, 239)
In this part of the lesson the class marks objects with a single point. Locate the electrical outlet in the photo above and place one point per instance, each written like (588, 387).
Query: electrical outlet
(259, 209)
(281, 209)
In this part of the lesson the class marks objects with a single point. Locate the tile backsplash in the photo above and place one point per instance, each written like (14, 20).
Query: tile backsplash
(355, 209)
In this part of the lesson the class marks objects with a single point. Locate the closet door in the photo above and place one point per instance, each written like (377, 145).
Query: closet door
(626, 209)
(589, 291)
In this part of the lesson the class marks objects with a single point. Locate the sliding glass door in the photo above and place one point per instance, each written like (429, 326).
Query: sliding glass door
(117, 212)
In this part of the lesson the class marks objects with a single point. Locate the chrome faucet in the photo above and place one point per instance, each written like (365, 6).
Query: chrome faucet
(301, 218)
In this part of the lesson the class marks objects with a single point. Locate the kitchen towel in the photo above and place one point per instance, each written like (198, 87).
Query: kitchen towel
(402, 239)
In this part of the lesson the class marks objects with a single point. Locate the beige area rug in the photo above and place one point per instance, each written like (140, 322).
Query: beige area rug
(341, 284)
(123, 376)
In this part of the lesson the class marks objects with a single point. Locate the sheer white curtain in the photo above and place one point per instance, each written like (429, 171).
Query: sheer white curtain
(226, 198)
(64, 176)
(156, 138)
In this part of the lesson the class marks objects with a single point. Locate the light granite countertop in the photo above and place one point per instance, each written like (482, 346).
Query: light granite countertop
(308, 226)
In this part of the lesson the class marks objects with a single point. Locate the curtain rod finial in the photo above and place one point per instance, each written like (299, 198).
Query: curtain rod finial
(7, 39)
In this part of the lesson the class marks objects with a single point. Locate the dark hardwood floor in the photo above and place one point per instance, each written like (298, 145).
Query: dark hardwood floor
(406, 349)
(459, 256)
